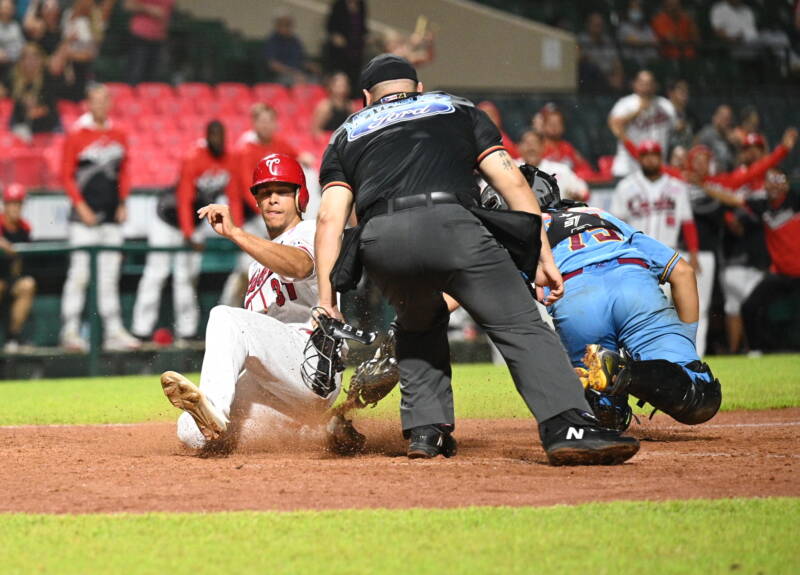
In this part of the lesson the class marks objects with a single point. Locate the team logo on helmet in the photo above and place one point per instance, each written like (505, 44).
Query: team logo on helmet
(271, 163)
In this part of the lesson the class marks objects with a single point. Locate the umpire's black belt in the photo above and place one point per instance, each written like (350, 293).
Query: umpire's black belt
(392, 205)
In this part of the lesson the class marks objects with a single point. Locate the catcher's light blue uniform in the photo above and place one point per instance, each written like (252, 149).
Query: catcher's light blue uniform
(612, 294)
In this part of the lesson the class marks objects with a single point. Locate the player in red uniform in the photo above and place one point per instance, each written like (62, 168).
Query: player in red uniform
(13, 281)
(206, 174)
(95, 176)
(780, 212)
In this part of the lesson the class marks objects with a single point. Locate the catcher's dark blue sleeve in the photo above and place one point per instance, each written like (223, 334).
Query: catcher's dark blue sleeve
(662, 259)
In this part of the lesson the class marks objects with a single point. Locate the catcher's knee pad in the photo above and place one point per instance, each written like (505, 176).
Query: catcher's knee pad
(669, 388)
(612, 411)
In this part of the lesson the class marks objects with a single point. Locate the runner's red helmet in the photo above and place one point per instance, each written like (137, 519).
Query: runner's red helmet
(284, 169)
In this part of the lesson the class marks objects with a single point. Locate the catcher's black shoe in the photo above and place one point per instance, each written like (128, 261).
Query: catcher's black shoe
(575, 438)
(428, 441)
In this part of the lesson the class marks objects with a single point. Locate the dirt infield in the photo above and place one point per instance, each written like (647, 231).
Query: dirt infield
(136, 468)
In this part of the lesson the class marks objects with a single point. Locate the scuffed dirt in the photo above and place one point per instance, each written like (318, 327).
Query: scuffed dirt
(138, 468)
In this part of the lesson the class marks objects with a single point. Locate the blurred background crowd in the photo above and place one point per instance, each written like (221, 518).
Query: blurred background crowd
(190, 103)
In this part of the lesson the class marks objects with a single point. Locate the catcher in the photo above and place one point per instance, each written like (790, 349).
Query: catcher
(612, 300)
(260, 361)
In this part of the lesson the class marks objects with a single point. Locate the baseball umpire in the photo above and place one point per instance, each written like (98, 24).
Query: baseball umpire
(406, 162)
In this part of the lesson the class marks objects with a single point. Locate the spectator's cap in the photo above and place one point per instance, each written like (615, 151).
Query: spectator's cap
(386, 67)
(754, 139)
(14, 193)
(648, 147)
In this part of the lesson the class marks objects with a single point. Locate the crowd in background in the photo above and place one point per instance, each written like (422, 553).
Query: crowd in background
(46, 55)
(641, 36)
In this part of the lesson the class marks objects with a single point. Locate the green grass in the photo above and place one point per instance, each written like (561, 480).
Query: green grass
(480, 391)
(741, 535)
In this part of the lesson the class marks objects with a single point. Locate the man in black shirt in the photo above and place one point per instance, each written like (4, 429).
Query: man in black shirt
(407, 162)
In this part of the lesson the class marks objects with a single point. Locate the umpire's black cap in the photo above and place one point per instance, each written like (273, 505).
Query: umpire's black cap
(386, 67)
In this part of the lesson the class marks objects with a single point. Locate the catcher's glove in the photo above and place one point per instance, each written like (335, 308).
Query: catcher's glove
(323, 359)
(374, 378)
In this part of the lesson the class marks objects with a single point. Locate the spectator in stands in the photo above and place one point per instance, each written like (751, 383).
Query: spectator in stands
(148, 27)
(83, 30)
(556, 148)
(331, 112)
(21, 288)
(531, 149)
(33, 90)
(96, 178)
(677, 158)
(734, 22)
(206, 174)
(636, 36)
(347, 32)
(598, 53)
(11, 42)
(284, 54)
(416, 47)
(719, 137)
(686, 122)
(43, 24)
(494, 115)
(263, 139)
(643, 115)
(749, 123)
(676, 31)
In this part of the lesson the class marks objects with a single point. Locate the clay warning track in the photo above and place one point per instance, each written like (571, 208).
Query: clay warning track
(138, 468)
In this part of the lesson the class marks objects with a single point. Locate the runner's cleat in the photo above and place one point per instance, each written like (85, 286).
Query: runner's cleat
(185, 395)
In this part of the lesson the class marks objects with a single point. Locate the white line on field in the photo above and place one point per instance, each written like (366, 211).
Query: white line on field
(63, 425)
(734, 425)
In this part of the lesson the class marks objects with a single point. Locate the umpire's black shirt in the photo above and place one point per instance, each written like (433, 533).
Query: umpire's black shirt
(402, 146)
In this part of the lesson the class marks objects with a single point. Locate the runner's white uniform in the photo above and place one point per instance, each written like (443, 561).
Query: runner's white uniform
(254, 354)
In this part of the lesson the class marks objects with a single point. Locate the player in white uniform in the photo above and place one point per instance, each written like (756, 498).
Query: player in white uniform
(642, 115)
(253, 355)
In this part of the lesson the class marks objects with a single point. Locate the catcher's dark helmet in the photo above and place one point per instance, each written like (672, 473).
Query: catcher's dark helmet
(285, 169)
(543, 185)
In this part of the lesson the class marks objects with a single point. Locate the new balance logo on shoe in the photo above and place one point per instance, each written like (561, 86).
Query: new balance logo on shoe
(573, 433)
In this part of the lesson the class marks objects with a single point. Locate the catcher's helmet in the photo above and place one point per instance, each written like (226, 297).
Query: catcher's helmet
(284, 169)
(543, 185)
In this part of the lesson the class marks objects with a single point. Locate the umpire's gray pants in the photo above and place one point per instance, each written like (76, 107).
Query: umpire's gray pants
(413, 256)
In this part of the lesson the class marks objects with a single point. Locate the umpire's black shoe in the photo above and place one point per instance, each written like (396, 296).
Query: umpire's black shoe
(429, 441)
(575, 438)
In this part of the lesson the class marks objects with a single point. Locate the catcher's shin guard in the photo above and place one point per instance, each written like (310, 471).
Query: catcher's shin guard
(667, 387)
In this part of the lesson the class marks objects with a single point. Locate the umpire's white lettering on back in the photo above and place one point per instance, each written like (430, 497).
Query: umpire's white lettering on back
(573, 433)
